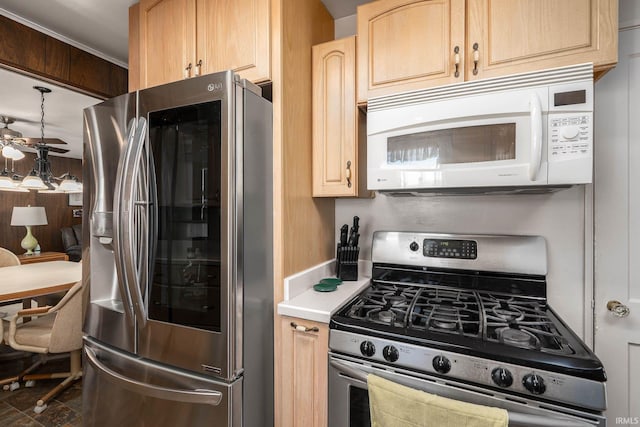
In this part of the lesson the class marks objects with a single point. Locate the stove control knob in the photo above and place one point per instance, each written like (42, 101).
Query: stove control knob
(390, 353)
(502, 377)
(367, 348)
(534, 383)
(414, 246)
(441, 364)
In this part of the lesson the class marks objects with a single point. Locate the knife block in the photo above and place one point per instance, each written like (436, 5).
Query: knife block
(347, 262)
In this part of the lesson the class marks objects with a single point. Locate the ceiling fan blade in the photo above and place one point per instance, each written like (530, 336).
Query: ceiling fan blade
(35, 141)
(58, 150)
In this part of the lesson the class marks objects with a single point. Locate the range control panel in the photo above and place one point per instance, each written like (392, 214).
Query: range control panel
(449, 248)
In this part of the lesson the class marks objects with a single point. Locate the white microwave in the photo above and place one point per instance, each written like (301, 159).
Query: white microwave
(524, 132)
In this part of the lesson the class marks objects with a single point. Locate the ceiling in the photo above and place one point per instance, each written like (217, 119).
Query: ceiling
(97, 26)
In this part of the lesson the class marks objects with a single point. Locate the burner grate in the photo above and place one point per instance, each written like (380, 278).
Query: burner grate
(521, 322)
(447, 311)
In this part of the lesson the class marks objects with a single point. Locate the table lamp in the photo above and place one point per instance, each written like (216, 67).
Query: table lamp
(29, 216)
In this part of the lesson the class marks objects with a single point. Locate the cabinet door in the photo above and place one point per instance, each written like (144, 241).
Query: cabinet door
(514, 36)
(335, 157)
(409, 44)
(234, 35)
(305, 347)
(167, 40)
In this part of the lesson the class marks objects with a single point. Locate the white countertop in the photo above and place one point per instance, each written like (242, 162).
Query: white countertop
(300, 300)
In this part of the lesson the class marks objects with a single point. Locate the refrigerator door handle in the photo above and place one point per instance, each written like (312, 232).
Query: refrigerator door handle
(200, 396)
(131, 253)
(117, 224)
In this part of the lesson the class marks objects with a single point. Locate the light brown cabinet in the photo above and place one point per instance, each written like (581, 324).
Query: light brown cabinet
(339, 136)
(305, 346)
(411, 44)
(186, 38)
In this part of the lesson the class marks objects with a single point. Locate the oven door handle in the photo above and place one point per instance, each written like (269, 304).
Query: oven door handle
(516, 419)
(348, 370)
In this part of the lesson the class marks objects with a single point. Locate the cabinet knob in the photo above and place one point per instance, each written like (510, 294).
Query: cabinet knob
(301, 328)
(198, 70)
(618, 309)
(348, 173)
(476, 58)
(187, 71)
(456, 61)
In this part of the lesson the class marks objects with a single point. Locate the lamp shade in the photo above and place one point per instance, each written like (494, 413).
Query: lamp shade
(30, 215)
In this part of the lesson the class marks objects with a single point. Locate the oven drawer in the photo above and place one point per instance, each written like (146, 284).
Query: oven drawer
(349, 402)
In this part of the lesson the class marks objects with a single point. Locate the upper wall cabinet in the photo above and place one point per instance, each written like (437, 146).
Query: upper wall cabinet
(187, 38)
(411, 44)
(514, 36)
(338, 127)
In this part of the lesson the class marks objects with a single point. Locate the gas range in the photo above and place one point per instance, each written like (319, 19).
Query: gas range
(470, 308)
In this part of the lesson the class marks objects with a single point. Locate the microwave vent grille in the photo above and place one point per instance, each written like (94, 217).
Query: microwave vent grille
(561, 75)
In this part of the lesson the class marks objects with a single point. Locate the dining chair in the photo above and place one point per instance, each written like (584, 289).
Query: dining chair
(51, 330)
(7, 259)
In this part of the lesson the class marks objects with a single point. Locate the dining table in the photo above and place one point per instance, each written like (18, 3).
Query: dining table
(23, 282)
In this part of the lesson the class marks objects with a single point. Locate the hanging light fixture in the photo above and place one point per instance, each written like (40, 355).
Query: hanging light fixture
(9, 150)
(41, 178)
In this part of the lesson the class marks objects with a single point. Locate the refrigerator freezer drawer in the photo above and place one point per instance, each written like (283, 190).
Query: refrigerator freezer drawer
(123, 389)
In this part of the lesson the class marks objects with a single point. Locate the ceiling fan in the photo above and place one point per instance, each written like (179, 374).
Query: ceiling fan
(13, 138)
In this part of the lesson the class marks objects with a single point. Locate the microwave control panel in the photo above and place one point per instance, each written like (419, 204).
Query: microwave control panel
(570, 135)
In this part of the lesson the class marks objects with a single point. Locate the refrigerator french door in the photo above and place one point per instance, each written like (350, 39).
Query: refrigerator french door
(179, 259)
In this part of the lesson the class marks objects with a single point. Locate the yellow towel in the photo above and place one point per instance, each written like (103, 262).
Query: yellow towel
(394, 405)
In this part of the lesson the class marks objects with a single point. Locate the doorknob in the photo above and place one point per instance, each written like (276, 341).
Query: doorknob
(618, 309)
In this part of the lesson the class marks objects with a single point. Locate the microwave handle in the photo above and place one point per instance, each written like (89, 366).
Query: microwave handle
(536, 136)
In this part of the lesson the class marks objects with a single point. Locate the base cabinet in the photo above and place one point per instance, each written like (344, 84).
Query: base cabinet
(304, 352)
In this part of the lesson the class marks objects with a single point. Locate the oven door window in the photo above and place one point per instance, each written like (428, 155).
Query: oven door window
(186, 147)
(471, 144)
(359, 415)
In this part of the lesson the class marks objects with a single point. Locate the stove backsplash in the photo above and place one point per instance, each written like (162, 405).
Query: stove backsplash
(559, 217)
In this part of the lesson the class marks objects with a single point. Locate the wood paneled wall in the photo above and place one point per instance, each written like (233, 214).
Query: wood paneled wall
(59, 213)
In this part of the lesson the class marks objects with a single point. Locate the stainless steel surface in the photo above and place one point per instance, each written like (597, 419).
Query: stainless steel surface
(618, 309)
(140, 360)
(346, 373)
(204, 351)
(111, 404)
(257, 261)
(561, 388)
(509, 254)
(106, 128)
(198, 396)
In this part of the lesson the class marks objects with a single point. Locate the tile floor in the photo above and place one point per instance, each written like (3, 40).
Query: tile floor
(16, 407)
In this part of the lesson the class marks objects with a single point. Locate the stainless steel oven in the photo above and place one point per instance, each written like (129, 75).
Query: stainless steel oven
(349, 399)
(464, 317)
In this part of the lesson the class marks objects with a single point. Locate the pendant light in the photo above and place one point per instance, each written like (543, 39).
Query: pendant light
(41, 178)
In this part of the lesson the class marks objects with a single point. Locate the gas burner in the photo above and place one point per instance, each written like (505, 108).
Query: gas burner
(381, 316)
(518, 338)
(508, 313)
(395, 300)
(443, 324)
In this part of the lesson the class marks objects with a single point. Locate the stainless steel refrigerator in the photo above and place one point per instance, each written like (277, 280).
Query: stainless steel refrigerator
(177, 256)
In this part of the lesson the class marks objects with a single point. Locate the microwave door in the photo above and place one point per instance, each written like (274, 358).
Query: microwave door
(491, 141)
(188, 297)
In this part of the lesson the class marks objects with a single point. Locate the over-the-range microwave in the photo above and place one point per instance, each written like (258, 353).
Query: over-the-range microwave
(526, 132)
